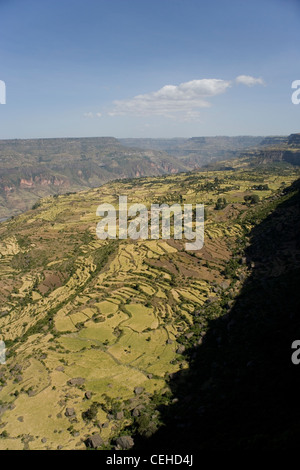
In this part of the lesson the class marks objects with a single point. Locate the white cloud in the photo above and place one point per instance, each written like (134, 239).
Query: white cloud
(182, 101)
(169, 100)
(92, 115)
(249, 81)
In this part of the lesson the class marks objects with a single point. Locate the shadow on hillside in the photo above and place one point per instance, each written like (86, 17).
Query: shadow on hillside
(241, 390)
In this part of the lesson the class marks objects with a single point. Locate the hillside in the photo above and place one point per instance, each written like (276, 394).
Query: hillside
(30, 169)
(97, 331)
(240, 391)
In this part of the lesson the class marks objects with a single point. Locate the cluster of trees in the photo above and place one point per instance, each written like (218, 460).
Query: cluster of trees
(251, 199)
(208, 186)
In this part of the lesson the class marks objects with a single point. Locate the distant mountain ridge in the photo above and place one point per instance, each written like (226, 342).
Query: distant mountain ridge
(198, 151)
(34, 168)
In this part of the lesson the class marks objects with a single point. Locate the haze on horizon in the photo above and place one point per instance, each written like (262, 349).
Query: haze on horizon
(167, 68)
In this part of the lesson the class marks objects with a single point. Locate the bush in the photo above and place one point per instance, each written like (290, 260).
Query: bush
(251, 199)
(220, 204)
(91, 413)
(36, 205)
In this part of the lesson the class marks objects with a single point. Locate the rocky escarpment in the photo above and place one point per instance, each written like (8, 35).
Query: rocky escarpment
(277, 149)
(292, 157)
(274, 140)
(294, 140)
(278, 155)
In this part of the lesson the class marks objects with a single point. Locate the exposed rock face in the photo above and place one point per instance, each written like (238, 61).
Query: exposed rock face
(270, 155)
(119, 415)
(42, 180)
(94, 441)
(278, 149)
(124, 442)
(294, 140)
(279, 155)
(70, 412)
(76, 381)
(274, 140)
(137, 410)
(180, 349)
(292, 157)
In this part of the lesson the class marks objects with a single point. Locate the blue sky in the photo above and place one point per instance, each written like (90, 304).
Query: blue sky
(148, 68)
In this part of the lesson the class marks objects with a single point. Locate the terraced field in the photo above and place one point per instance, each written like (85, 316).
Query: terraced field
(94, 329)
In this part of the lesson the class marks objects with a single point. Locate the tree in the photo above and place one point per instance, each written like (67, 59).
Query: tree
(221, 203)
(251, 199)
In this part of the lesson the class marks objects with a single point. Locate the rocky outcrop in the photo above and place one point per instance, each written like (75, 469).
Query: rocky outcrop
(94, 441)
(274, 140)
(278, 155)
(292, 157)
(124, 442)
(70, 412)
(76, 381)
(277, 149)
(294, 140)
